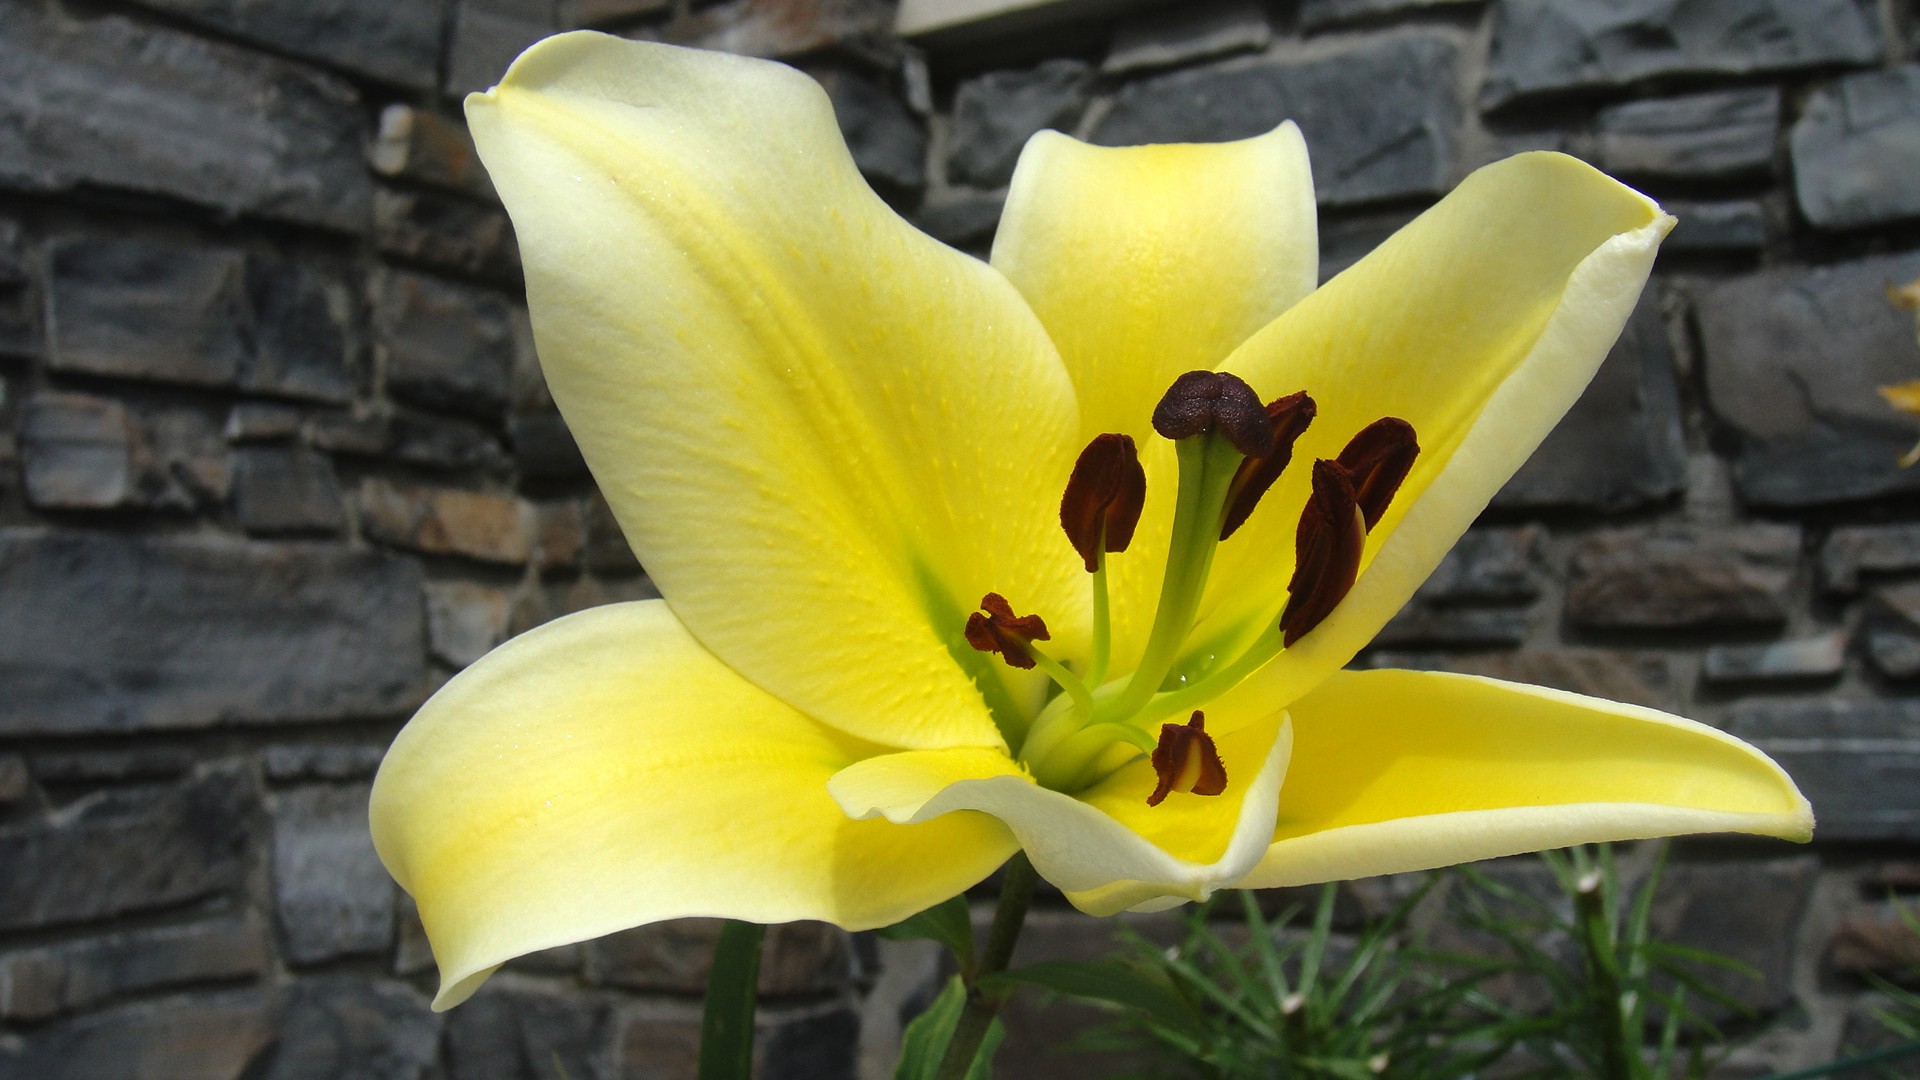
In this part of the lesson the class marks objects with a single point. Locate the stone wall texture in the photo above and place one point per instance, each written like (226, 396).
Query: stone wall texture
(276, 460)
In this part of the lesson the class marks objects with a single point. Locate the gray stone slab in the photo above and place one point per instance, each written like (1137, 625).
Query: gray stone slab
(543, 447)
(1683, 578)
(202, 1037)
(1321, 14)
(110, 102)
(1858, 762)
(1455, 627)
(1487, 566)
(465, 620)
(306, 330)
(675, 957)
(282, 490)
(108, 634)
(965, 219)
(887, 142)
(1380, 116)
(1187, 32)
(142, 309)
(321, 761)
(486, 526)
(1747, 911)
(335, 1026)
(1782, 661)
(77, 451)
(259, 421)
(1738, 226)
(397, 43)
(1793, 358)
(443, 443)
(13, 257)
(1853, 550)
(124, 851)
(501, 1033)
(1700, 136)
(1856, 150)
(199, 315)
(46, 980)
(1621, 445)
(1548, 46)
(779, 29)
(1892, 626)
(445, 232)
(485, 42)
(332, 897)
(428, 148)
(446, 346)
(16, 784)
(995, 114)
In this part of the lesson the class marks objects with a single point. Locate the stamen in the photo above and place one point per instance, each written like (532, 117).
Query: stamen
(1379, 458)
(1187, 760)
(1327, 551)
(1288, 417)
(1203, 401)
(1103, 499)
(996, 629)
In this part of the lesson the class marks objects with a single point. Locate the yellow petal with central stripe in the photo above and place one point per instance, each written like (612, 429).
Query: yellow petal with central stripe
(1405, 770)
(1145, 262)
(825, 434)
(605, 771)
(1479, 323)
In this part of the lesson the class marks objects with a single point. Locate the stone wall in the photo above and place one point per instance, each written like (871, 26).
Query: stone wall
(275, 460)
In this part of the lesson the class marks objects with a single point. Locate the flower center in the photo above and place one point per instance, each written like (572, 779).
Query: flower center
(1231, 449)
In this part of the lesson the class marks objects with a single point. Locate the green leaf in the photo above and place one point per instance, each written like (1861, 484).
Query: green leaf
(947, 922)
(924, 1043)
(1110, 979)
(726, 1025)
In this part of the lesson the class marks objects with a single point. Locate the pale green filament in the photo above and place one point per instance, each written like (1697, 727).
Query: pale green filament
(1102, 623)
(1076, 689)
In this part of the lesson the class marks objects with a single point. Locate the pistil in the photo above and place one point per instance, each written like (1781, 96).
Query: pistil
(1216, 422)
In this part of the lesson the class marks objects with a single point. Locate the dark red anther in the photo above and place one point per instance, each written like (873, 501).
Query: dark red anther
(1186, 760)
(1104, 497)
(1203, 401)
(1289, 417)
(1379, 457)
(997, 629)
(1326, 551)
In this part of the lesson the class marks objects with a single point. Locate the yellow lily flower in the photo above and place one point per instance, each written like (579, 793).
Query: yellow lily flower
(826, 435)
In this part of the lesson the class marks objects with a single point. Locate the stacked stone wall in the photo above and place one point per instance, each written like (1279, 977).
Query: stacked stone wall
(276, 460)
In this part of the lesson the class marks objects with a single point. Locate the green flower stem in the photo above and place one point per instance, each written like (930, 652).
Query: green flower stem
(1618, 1046)
(1016, 894)
(726, 1024)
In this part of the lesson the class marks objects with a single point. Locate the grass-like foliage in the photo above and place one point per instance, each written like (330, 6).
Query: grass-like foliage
(1571, 983)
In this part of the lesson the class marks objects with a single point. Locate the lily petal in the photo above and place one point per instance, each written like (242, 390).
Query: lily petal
(1107, 849)
(1480, 323)
(1145, 262)
(825, 434)
(1405, 770)
(605, 771)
